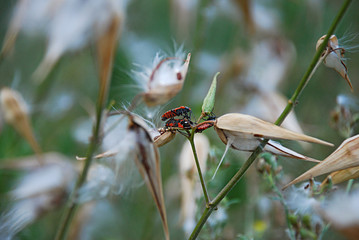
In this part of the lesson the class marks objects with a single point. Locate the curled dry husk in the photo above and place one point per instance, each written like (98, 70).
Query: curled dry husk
(244, 133)
(164, 138)
(345, 156)
(147, 160)
(190, 186)
(342, 175)
(158, 93)
(15, 112)
(334, 57)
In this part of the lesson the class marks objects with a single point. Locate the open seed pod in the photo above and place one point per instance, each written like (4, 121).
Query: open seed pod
(244, 132)
(345, 156)
(165, 80)
(147, 160)
(334, 57)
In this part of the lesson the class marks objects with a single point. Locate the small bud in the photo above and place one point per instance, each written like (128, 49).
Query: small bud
(209, 100)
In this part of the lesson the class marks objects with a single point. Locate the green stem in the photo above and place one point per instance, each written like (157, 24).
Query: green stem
(281, 199)
(235, 179)
(72, 204)
(203, 184)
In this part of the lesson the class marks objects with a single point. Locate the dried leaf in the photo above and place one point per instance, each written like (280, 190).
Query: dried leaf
(345, 156)
(148, 162)
(254, 127)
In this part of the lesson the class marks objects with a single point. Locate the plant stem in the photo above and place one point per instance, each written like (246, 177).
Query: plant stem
(203, 184)
(72, 204)
(305, 79)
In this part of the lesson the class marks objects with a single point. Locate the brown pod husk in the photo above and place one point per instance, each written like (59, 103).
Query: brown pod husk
(345, 156)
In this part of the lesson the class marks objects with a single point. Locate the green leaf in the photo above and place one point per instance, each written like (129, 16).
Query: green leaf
(208, 102)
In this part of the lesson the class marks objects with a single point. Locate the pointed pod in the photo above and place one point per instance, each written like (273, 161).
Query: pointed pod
(345, 156)
(15, 113)
(147, 160)
(246, 124)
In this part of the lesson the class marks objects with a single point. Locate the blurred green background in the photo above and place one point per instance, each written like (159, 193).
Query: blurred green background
(216, 35)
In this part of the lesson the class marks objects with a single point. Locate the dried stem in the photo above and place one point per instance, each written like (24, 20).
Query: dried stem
(291, 103)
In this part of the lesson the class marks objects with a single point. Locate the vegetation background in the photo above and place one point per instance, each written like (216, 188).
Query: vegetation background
(218, 37)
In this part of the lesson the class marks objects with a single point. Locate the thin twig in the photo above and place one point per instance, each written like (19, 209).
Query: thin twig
(291, 103)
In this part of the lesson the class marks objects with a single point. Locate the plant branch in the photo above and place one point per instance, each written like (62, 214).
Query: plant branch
(305, 79)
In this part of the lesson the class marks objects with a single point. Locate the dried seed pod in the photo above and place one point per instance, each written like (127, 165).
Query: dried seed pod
(342, 175)
(345, 156)
(333, 57)
(254, 128)
(164, 80)
(15, 113)
(148, 162)
(164, 138)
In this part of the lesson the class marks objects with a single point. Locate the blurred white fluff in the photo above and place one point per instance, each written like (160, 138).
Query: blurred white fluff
(38, 192)
(68, 24)
(343, 209)
(115, 171)
(301, 202)
(269, 64)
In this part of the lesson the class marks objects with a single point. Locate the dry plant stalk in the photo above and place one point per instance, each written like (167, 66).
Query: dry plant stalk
(147, 160)
(345, 156)
(16, 113)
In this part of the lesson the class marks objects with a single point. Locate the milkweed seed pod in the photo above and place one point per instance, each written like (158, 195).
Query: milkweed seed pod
(127, 140)
(345, 156)
(334, 55)
(244, 132)
(164, 79)
(15, 112)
